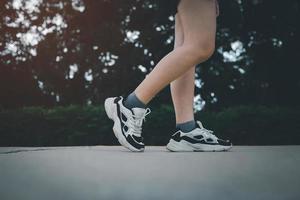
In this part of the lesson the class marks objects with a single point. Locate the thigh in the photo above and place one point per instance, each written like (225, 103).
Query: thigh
(198, 19)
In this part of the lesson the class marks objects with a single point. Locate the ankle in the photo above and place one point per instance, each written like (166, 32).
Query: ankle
(186, 126)
(132, 101)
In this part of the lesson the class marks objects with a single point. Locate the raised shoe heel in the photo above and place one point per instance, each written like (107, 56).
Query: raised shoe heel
(109, 108)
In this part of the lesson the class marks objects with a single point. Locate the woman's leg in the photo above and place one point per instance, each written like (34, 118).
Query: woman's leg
(182, 88)
(198, 19)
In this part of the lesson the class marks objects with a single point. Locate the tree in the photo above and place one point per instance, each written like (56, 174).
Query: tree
(74, 52)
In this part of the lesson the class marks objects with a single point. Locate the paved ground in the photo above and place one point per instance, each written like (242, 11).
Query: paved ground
(107, 172)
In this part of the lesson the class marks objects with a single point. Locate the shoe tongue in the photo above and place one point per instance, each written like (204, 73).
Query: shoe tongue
(139, 112)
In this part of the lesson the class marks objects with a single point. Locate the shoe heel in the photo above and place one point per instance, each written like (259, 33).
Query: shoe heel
(107, 106)
(177, 146)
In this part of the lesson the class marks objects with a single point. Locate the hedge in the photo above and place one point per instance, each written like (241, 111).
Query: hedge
(89, 125)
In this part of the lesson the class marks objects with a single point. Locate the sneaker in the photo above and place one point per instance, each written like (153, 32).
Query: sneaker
(127, 122)
(199, 139)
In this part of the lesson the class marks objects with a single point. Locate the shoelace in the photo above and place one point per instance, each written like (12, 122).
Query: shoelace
(207, 133)
(136, 122)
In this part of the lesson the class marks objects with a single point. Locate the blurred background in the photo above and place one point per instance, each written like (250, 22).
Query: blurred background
(59, 60)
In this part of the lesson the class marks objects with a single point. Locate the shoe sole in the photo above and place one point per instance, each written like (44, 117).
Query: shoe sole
(111, 112)
(183, 146)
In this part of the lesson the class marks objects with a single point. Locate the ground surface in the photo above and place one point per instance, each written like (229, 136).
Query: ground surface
(112, 172)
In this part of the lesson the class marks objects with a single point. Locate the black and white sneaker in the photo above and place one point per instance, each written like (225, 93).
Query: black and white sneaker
(127, 122)
(199, 139)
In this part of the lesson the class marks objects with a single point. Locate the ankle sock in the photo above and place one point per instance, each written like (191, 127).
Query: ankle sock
(186, 126)
(133, 101)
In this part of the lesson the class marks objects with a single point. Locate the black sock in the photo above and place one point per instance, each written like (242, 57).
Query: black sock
(133, 101)
(186, 126)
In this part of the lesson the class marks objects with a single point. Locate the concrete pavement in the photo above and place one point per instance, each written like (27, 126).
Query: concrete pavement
(112, 172)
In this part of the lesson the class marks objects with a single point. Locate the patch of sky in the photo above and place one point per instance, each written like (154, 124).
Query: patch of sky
(104, 70)
(199, 103)
(107, 58)
(88, 75)
(276, 42)
(78, 5)
(214, 99)
(73, 69)
(132, 36)
(142, 68)
(235, 54)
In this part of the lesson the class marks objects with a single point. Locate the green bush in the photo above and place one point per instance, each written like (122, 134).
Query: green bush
(89, 125)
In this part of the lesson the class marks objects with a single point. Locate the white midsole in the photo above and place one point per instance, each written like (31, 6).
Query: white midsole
(111, 111)
(186, 146)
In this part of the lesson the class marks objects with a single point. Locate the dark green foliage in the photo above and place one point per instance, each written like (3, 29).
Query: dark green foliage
(256, 125)
(268, 31)
(72, 125)
(89, 125)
